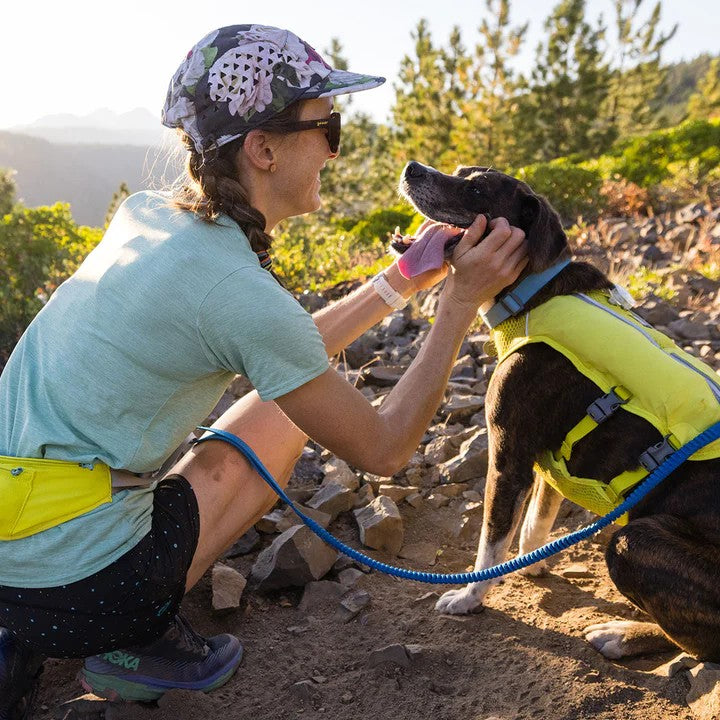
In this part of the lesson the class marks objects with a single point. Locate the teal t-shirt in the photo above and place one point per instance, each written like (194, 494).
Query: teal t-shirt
(129, 355)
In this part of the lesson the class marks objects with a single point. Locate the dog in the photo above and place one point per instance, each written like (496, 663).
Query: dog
(665, 559)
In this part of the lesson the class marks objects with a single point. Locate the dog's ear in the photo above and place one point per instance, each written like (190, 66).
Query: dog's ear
(543, 231)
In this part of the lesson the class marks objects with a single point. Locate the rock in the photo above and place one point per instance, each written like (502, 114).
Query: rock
(352, 605)
(704, 694)
(414, 651)
(415, 499)
(462, 406)
(424, 553)
(423, 477)
(688, 329)
(437, 500)
(452, 489)
(395, 324)
(290, 518)
(306, 691)
(294, 558)
(246, 544)
(338, 471)
(321, 596)
(332, 499)
(463, 367)
(350, 576)
(396, 492)
(657, 312)
(439, 449)
(360, 352)
(468, 467)
(576, 571)
(227, 587)
(621, 232)
(395, 654)
(691, 213)
(383, 375)
(268, 524)
(312, 301)
(381, 526)
(364, 495)
(674, 666)
(682, 235)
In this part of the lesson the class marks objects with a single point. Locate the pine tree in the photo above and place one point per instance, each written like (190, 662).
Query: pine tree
(427, 97)
(705, 102)
(636, 73)
(483, 131)
(117, 199)
(558, 111)
(8, 191)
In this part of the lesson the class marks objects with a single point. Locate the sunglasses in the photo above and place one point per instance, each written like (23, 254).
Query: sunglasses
(331, 125)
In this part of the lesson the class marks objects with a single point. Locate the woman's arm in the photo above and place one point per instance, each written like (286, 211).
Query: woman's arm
(348, 318)
(336, 415)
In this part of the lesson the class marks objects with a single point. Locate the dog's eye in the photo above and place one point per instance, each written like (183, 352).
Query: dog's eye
(475, 190)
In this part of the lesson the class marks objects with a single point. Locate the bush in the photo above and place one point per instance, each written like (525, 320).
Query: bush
(646, 160)
(39, 249)
(573, 190)
(379, 223)
(622, 197)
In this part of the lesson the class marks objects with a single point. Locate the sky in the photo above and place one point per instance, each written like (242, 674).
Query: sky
(76, 57)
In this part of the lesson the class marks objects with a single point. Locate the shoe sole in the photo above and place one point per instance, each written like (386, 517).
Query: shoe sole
(114, 688)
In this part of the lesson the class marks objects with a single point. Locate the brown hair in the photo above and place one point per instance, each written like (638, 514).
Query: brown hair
(211, 185)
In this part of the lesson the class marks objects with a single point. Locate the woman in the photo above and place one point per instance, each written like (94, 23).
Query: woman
(135, 349)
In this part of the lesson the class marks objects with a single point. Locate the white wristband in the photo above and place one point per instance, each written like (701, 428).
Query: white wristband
(387, 292)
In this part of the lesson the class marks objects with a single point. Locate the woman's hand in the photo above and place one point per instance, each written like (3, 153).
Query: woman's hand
(480, 270)
(429, 278)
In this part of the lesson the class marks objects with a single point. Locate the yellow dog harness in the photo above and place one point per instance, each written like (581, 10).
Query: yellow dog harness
(638, 369)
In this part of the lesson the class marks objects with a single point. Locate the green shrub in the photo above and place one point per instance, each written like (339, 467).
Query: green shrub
(573, 190)
(39, 249)
(645, 160)
(379, 223)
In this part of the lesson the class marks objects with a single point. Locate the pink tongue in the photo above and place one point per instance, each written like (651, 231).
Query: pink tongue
(427, 252)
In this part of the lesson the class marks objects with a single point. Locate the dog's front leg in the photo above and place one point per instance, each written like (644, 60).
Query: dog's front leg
(538, 522)
(505, 496)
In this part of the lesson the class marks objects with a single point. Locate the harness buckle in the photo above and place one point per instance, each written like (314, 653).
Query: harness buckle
(602, 408)
(656, 454)
(512, 304)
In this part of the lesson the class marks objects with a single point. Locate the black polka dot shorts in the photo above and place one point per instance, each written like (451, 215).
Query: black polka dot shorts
(129, 603)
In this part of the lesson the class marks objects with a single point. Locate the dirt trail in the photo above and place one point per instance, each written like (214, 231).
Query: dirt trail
(524, 657)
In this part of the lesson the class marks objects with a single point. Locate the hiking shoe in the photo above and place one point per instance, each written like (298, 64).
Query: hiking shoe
(180, 659)
(20, 669)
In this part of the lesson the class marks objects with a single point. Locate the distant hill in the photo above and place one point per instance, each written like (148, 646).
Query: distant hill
(137, 127)
(84, 175)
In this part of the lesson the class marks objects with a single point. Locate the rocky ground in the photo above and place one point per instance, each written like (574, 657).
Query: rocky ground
(326, 638)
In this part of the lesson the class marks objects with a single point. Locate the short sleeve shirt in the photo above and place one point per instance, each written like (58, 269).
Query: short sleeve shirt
(129, 355)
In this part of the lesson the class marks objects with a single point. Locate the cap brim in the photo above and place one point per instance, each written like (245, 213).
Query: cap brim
(341, 82)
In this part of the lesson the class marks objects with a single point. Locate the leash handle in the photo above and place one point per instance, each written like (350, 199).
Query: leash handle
(671, 463)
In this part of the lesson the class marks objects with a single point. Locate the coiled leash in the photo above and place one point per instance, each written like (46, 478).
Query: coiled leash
(671, 463)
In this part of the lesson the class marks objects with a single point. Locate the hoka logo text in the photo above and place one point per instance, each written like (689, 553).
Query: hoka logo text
(118, 657)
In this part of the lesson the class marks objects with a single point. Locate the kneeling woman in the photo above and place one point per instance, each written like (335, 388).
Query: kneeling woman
(135, 349)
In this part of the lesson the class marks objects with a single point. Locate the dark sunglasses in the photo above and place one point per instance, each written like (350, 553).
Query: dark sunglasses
(331, 125)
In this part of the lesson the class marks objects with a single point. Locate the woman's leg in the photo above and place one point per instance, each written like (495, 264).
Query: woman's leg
(231, 496)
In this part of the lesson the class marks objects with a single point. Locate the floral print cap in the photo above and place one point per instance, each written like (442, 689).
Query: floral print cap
(240, 76)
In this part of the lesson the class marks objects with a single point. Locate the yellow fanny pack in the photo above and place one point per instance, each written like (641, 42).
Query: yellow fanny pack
(37, 494)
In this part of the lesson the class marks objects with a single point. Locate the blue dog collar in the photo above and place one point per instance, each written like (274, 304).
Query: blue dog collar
(513, 302)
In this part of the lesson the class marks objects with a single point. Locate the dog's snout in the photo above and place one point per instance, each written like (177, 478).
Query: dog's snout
(414, 169)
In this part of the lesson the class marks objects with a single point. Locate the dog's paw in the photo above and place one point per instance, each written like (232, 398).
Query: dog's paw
(537, 570)
(459, 602)
(609, 638)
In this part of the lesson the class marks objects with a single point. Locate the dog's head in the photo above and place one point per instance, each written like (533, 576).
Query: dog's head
(470, 191)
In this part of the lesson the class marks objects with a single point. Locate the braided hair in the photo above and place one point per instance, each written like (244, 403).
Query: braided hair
(211, 186)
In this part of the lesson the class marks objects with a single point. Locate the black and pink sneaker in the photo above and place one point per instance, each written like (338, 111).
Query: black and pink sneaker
(180, 659)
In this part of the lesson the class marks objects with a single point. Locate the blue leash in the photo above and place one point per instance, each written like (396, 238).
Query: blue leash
(671, 463)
